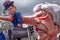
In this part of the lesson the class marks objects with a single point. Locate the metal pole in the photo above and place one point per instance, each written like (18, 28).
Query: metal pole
(29, 33)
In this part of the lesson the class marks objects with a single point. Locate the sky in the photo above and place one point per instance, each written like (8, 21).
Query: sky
(25, 6)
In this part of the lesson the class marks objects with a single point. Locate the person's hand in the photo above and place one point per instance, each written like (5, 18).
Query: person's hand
(18, 25)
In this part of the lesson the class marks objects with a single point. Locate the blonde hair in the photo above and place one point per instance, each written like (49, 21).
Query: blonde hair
(13, 6)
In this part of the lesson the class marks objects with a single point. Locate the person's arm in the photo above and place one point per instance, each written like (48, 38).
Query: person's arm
(7, 18)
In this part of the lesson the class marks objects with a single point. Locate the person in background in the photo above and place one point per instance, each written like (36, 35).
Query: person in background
(17, 22)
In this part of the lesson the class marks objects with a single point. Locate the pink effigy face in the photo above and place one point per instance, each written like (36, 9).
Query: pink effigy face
(44, 25)
(46, 29)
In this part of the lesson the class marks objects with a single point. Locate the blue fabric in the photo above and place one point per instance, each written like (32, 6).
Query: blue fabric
(2, 37)
(17, 19)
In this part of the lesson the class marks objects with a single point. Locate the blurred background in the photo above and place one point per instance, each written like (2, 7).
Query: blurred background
(25, 6)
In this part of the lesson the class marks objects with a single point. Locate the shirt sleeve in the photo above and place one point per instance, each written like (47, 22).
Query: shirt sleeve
(19, 18)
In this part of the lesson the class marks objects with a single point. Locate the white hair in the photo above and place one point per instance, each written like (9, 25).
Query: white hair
(54, 9)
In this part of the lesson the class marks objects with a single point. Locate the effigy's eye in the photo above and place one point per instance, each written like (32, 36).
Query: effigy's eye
(42, 13)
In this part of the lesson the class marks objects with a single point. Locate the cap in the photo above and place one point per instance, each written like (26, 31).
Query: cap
(7, 4)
